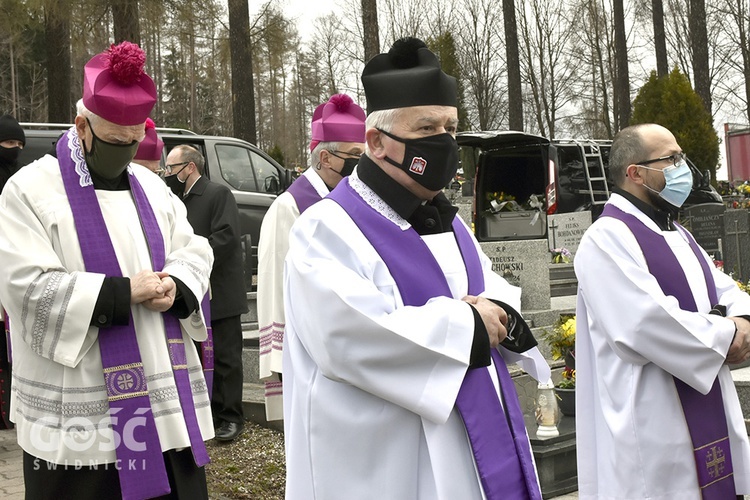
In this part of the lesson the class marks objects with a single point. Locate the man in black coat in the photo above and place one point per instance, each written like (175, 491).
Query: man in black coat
(213, 213)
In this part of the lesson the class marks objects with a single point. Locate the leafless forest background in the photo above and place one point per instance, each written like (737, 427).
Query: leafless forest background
(558, 68)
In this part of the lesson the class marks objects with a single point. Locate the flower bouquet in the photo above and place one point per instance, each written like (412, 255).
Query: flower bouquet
(504, 202)
(561, 256)
(562, 342)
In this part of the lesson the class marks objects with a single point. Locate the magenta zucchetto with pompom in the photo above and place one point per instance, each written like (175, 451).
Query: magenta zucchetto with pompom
(115, 86)
(151, 146)
(338, 120)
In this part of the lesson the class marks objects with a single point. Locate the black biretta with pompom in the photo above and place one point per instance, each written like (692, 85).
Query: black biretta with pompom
(407, 75)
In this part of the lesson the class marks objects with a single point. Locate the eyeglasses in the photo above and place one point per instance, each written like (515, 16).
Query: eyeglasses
(676, 159)
(352, 155)
(169, 169)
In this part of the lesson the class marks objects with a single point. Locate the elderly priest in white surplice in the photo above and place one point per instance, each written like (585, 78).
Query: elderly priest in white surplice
(102, 277)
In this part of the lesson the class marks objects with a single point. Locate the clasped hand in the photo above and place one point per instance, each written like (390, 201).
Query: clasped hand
(155, 290)
(739, 351)
(493, 316)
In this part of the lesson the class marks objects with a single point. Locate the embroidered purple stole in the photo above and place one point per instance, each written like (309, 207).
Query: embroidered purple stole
(705, 417)
(303, 193)
(499, 442)
(124, 376)
(207, 346)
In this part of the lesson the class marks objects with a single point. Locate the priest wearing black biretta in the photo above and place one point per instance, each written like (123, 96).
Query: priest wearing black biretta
(395, 376)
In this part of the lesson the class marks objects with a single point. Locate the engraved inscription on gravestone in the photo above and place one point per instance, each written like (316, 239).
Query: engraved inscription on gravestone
(706, 223)
(509, 267)
(566, 230)
(735, 243)
(523, 263)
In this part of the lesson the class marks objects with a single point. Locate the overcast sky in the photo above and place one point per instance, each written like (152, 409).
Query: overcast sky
(304, 13)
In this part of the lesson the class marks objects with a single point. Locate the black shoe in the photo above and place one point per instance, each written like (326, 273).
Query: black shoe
(227, 431)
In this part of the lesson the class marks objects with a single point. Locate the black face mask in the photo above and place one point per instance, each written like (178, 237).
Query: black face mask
(176, 185)
(9, 155)
(431, 161)
(348, 168)
(109, 160)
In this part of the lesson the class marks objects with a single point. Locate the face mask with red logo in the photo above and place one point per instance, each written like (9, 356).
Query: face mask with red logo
(431, 161)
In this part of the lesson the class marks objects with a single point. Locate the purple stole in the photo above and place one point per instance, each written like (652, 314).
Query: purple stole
(499, 442)
(705, 417)
(303, 193)
(207, 346)
(305, 196)
(6, 321)
(124, 376)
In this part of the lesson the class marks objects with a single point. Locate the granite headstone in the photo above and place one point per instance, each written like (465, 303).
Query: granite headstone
(566, 230)
(523, 263)
(735, 243)
(706, 222)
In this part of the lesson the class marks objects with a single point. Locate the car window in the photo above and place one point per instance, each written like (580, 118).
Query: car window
(236, 167)
(266, 173)
(37, 145)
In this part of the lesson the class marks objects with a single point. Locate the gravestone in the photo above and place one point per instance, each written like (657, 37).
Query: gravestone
(566, 230)
(467, 188)
(555, 457)
(464, 209)
(735, 244)
(523, 263)
(706, 223)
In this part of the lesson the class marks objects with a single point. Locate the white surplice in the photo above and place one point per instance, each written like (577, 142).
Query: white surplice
(272, 248)
(370, 385)
(632, 439)
(59, 401)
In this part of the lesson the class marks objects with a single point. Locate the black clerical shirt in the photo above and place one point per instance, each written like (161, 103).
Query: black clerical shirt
(663, 218)
(426, 217)
(113, 304)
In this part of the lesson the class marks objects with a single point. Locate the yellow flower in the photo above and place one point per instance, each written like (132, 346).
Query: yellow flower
(562, 337)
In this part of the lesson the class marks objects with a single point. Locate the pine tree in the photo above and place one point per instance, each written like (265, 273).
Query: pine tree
(672, 103)
(444, 46)
(277, 154)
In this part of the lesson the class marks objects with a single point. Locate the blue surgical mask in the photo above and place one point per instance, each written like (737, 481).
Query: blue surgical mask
(679, 183)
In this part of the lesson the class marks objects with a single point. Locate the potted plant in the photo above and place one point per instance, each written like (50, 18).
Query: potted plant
(562, 339)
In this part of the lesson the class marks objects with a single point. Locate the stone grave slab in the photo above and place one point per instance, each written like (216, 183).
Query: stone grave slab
(566, 230)
(523, 263)
(706, 223)
(555, 457)
(464, 209)
(735, 243)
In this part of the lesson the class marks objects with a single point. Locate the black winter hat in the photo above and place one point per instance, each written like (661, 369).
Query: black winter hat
(10, 129)
(407, 75)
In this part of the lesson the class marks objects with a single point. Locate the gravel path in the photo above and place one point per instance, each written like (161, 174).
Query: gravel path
(250, 467)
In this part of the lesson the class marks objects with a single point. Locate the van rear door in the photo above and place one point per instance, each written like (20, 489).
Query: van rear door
(515, 184)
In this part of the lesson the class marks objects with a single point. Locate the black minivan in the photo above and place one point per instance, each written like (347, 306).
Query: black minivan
(520, 179)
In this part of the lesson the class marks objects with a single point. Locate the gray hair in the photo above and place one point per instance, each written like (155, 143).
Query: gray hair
(82, 110)
(322, 146)
(627, 148)
(189, 153)
(382, 119)
(95, 119)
